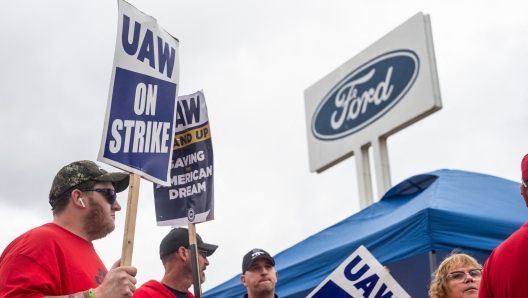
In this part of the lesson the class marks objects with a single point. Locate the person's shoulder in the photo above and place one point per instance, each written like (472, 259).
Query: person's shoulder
(33, 237)
(511, 248)
(150, 283)
(37, 241)
(519, 237)
(151, 288)
(43, 232)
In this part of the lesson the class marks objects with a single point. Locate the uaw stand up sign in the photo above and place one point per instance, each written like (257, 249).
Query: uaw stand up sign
(189, 198)
(383, 89)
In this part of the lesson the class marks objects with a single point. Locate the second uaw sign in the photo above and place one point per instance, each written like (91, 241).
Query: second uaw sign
(190, 197)
(360, 275)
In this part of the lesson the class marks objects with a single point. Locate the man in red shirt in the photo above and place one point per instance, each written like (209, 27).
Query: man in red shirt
(58, 259)
(176, 258)
(504, 272)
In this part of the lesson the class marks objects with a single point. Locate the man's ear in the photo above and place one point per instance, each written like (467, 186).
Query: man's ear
(243, 280)
(183, 253)
(75, 195)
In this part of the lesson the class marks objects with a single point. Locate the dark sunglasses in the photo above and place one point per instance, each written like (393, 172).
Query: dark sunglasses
(202, 253)
(525, 183)
(108, 193)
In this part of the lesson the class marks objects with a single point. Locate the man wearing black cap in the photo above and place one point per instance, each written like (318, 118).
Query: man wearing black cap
(176, 258)
(258, 274)
(58, 259)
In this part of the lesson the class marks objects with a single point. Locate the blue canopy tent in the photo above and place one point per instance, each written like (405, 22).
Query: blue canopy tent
(435, 212)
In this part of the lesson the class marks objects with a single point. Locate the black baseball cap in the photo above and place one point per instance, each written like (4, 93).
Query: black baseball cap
(180, 237)
(253, 255)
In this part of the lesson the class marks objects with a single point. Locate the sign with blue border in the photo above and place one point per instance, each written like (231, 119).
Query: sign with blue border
(139, 124)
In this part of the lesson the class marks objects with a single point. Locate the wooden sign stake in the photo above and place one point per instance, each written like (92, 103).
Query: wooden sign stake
(194, 258)
(130, 220)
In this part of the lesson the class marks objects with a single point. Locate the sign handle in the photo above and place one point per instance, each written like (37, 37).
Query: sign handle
(194, 259)
(130, 220)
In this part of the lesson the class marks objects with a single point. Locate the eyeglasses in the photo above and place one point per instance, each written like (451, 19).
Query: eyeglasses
(525, 183)
(460, 275)
(108, 193)
(202, 253)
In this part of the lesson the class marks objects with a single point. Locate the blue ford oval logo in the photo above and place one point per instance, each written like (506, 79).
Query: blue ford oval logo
(365, 94)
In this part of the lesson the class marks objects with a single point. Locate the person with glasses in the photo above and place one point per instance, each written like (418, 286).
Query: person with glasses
(175, 256)
(258, 274)
(458, 276)
(58, 259)
(503, 275)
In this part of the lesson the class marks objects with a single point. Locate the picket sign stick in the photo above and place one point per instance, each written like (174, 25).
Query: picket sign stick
(130, 220)
(194, 259)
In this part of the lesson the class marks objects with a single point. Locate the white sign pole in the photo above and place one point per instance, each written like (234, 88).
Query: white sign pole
(366, 197)
(381, 162)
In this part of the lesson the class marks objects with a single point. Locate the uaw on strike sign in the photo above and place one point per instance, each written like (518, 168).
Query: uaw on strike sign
(360, 275)
(139, 123)
(189, 198)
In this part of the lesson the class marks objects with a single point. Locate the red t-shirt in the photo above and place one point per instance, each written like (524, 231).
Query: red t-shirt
(504, 274)
(49, 261)
(155, 289)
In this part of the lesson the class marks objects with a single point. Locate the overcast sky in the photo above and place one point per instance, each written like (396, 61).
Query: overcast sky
(253, 60)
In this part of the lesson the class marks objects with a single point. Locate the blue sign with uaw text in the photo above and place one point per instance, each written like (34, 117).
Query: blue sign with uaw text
(139, 123)
(360, 275)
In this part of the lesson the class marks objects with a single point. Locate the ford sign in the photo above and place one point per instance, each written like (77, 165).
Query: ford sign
(366, 94)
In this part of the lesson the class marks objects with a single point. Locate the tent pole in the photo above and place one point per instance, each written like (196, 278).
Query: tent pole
(432, 261)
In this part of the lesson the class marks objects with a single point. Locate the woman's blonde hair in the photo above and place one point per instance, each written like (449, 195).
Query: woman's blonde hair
(439, 279)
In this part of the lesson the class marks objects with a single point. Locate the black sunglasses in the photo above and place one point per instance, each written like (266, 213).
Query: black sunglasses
(202, 253)
(525, 183)
(108, 193)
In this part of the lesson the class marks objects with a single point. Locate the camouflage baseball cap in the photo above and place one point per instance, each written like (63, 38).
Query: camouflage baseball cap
(82, 171)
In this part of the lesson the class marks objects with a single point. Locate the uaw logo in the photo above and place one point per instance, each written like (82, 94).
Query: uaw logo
(191, 214)
(365, 95)
(256, 253)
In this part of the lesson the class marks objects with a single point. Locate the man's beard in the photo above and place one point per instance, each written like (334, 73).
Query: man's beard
(201, 270)
(96, 224)
(202, 276)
